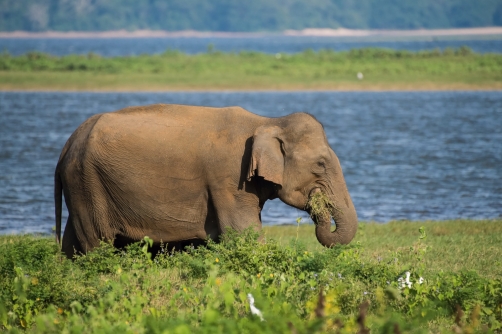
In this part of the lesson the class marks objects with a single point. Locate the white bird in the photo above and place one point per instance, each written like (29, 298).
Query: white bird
(401, 284)
(360, 76)
(253, 308)
(407, 281)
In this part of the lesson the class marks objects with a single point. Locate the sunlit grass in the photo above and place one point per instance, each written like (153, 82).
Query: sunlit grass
(453, 245)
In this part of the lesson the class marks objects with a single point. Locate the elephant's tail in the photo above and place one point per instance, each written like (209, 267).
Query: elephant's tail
(58, 203)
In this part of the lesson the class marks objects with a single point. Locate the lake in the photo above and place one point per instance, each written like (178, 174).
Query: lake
(268, 44)
(405, 155)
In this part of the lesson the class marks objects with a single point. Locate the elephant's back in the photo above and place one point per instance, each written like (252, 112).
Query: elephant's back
(187, 114)
(210, 118)
(161, 123)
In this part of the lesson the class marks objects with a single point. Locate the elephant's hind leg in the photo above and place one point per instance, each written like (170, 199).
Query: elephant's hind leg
(79, 235)
(70, 245)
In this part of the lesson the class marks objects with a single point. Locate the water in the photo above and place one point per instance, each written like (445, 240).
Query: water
(270, 44)
(421, 155)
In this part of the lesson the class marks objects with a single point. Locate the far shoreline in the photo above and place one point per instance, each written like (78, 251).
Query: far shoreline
(310, 32)
(348, 89)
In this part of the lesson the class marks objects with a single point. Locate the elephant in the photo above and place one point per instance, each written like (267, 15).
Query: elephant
(180, 173)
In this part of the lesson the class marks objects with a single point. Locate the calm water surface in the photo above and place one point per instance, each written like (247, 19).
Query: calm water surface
(405, 155)
(270, 44)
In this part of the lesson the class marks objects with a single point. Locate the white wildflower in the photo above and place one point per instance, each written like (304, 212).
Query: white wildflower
(253, 308)
(420, 280)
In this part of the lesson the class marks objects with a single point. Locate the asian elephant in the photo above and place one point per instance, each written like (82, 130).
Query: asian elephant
(181, 173)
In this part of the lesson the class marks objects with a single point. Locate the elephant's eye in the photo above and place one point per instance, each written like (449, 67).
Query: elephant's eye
(319, 168)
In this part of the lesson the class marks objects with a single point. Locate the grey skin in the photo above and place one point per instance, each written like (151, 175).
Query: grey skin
(180, 173)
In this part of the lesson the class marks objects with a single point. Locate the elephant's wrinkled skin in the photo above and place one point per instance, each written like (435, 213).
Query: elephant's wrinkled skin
(177, 173)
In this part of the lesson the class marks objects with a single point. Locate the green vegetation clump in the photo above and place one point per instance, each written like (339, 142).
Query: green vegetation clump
(325, 69)
(208, 289)
(174, 60)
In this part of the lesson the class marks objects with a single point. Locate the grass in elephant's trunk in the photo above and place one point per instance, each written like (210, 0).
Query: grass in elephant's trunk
(320, 206)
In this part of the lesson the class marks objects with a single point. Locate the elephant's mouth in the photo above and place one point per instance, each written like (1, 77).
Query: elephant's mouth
(314, 191)
(320, 207)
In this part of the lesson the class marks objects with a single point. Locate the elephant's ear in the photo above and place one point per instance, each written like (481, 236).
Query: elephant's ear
(267, 159)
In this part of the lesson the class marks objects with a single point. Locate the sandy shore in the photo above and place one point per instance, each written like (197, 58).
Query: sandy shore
(341, 32)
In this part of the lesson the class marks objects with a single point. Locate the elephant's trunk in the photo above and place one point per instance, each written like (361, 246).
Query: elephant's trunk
(345, 218)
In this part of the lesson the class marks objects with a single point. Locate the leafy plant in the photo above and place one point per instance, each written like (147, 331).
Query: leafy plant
(206, 289)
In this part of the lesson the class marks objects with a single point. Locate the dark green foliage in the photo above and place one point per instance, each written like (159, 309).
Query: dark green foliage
(101, 261)
(258, 15)
(35, 276)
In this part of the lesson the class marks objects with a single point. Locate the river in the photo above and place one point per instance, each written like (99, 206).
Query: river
(109, 47)
(405, 155)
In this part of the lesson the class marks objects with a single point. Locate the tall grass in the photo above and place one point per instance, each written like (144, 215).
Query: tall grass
(205, 290)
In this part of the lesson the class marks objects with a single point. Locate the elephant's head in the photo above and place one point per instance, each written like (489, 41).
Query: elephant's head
(293, 153)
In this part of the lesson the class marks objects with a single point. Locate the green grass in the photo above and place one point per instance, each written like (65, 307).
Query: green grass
(382, 70)
(452, 245)
(204, 290)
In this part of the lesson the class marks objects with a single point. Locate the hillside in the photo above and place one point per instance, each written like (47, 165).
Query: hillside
(235, 16)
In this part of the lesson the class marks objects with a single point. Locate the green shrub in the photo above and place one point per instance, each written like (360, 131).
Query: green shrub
(205, 289)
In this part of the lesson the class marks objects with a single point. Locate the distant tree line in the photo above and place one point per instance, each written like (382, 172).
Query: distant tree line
(255, 15)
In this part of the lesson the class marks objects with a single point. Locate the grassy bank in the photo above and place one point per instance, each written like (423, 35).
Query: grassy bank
(323, 70)
(454, 283)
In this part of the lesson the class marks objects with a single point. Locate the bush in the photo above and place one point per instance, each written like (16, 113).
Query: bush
(208, 289)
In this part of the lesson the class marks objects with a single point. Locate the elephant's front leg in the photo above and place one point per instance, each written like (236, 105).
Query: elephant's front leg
(236, 210)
